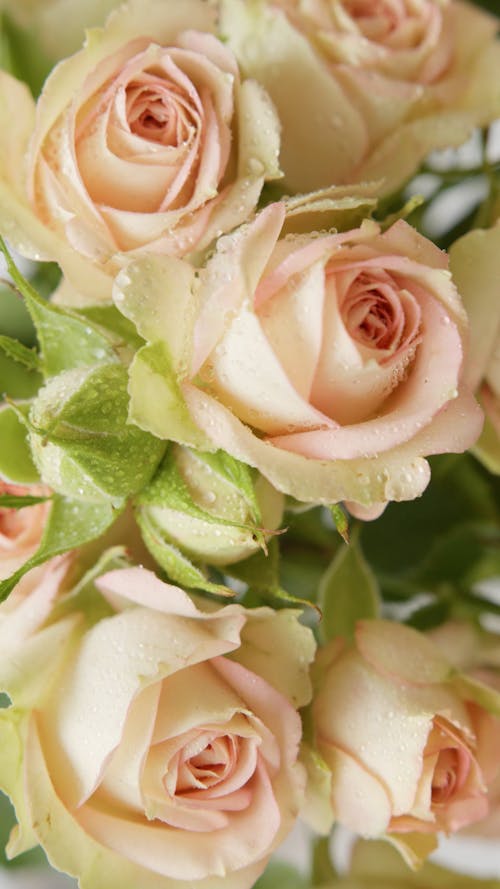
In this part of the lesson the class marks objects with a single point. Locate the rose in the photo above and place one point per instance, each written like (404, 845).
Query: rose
(474, 650)
(475, 264)
(365, 89)
(165, 755)
(409, 741)
(408, 41)
(20, 529)
(146, 140)
(331, 363)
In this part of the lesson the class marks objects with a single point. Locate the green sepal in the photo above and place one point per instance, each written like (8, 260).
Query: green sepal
(168, 489)
(81, 439)
(15, 350)
(156, 401)
(238, 474)
(70, 524)
(348, 592)
(11, 501)
(16, 462)
(177, 566)
(66, 341)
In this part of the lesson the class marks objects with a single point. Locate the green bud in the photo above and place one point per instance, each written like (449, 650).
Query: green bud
(81, 442)
(211, 507)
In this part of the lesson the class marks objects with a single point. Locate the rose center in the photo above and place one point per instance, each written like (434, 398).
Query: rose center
(208, 767)
(157, 111)
(445, 776)
(372, 314)
(376, 19)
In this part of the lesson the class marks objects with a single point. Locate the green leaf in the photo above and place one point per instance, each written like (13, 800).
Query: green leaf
(16, 462)
(348, 592)
(81, 440)
(178, 567)
(71, 523)
(66, 341)
(156, 401)
(279, 875)
(15, 350)
(11, 501)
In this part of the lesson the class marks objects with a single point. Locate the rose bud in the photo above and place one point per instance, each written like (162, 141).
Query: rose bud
(194, 503)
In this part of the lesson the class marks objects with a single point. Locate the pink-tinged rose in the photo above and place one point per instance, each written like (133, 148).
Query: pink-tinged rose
(332, 363)
(21, 530)
(477, 652)
(365, 89)
(475, 263)
(166, 753)
(410, 742)
(147, 140)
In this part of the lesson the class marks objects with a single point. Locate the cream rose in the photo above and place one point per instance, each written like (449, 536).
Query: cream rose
(475, 263)
(146, 140)
(21, 529)
(332, 363)
(476, 651)
(365, 89)
(166, 753)
(411, 748)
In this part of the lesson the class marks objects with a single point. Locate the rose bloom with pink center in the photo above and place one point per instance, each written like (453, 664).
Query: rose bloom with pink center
(163, 752)
(332, 362)
(365, 89)
(410, 741)
(147, 140)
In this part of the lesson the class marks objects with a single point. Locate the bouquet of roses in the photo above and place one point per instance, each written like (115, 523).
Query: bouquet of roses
(232, 596)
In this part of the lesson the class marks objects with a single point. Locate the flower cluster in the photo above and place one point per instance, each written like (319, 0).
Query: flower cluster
(247, 344)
